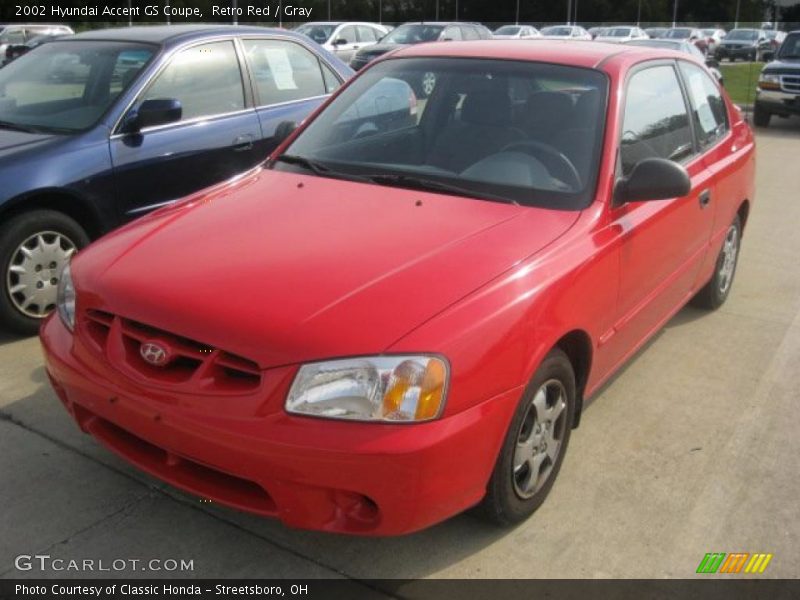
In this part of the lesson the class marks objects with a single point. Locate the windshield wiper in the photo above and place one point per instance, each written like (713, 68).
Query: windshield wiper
(17, 127)
(433, 185)
(318, 168)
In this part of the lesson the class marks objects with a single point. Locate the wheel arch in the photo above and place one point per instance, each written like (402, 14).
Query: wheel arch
(68, 203)
(743, 211)
(577, 345)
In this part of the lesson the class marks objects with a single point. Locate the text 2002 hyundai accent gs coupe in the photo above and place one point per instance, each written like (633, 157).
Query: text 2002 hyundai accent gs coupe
(400, 316)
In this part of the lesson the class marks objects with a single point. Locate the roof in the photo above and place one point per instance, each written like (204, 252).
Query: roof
(162, 34)
(568, 52)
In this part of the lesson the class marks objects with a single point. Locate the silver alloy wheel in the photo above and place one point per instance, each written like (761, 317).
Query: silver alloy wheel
(428, 83)
(539, 439)
(34, 271)
(730, 250)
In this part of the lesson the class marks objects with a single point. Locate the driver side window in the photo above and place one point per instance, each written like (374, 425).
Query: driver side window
(656, 123)
(206, 79)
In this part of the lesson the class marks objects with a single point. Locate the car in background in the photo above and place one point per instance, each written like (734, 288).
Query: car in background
(16, 50)
(741, 43)
(565, 32)
(685, 47)
(595, 31)
(516, 32)
(656, 32)
(400, 318)
(104, 126)
(409, 34)
(18, 34)
(691, 35)
(619, 35)
(713, 38)
(771, 43)
(343, 38)
(778, 91)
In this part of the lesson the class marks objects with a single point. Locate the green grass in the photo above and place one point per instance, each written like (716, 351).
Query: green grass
(740, 80)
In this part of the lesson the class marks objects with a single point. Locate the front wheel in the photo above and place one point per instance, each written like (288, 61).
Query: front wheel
(716, 291)
(535, 444)
(34, 248)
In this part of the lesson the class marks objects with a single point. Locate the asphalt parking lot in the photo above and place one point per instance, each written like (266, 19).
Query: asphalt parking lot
(691, 449)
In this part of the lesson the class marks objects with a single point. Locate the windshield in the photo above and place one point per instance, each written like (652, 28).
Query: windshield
(67, 86)
(618, 32)
(320, 33)
(413, 34)
(556, 31)
(678, 34)
(742, 34)
(656, 44)
(508, 30)
(790, 47)
(522, 132)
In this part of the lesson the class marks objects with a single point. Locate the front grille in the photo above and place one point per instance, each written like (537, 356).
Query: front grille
(191, 365)
(791, 83)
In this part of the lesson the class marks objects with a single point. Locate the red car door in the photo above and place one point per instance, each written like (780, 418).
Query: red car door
(726, 143)
(662, 243)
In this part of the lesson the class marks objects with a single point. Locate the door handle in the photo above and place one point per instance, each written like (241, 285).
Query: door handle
(243, 142)
(704, 198)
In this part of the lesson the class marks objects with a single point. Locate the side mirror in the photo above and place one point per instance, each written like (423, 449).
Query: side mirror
(768, 55)
(157, 111)
(284, 130)
(712, 62)
(653, 179)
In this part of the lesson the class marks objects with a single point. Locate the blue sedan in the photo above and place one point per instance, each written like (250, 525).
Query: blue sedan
(101, 127)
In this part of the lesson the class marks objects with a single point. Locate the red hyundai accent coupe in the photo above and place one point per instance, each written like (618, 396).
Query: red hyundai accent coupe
(402, 313)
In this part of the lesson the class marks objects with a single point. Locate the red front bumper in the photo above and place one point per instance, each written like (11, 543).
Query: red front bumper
(370, 479)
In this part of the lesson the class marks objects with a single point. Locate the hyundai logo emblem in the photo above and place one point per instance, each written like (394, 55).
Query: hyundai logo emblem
(154, 353)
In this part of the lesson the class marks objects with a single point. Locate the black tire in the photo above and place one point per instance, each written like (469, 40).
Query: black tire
(760, 116)
(503, 504)
(12, 234)
(716, 291)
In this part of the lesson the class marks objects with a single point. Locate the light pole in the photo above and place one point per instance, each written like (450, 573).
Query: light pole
(736, 21)
(569, 11)
(517, 21)
(130, 18)
(456, 10)
(329, 10)
(235, 18)
(639, 14)
(575, 20)
(166, 6)
(437, 10)
(675, 13)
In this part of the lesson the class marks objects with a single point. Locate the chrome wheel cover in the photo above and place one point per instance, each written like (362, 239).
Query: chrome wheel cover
(34, 270)
(730, 251)
(428, 83)
(539, 439)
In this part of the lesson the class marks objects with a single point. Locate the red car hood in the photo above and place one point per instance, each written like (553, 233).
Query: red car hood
(283, 268)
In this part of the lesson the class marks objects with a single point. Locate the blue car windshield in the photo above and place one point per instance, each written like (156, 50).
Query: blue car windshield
(65, 87)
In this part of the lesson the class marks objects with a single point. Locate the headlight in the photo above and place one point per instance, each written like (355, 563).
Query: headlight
(769, 81)
(380, 388)
(65, 300)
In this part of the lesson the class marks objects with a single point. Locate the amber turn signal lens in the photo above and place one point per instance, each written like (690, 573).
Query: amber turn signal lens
(432, 390)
